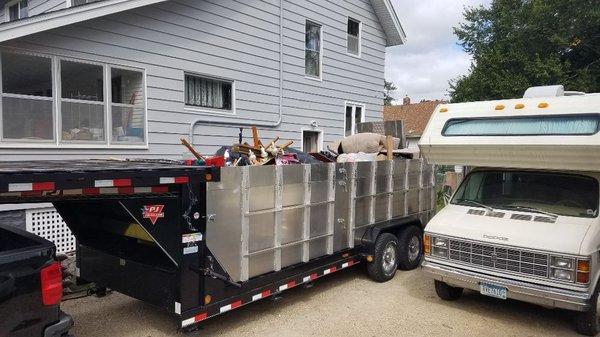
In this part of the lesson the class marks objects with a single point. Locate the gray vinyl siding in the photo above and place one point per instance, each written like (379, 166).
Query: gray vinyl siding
(233, 39)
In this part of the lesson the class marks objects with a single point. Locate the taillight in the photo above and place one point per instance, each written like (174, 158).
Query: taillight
(52, 289)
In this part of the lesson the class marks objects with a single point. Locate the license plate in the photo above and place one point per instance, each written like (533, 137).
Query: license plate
(493, 290)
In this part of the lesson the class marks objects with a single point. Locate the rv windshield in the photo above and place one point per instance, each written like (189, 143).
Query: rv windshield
(525, 191)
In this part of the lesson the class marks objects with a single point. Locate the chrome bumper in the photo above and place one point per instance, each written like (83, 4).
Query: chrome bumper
(522, 291)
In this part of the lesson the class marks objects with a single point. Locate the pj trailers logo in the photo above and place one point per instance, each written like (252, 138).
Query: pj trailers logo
(154, 212)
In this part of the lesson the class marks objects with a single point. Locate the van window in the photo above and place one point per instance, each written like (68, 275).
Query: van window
(560, 194)
(523, 126)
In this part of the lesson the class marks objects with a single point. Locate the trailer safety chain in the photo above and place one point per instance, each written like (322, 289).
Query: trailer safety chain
(211, 273)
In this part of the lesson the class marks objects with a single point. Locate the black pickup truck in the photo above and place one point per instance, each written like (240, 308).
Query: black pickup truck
(30, 287)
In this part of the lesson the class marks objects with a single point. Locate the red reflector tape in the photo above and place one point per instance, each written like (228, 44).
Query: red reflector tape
(91, 191)
(26, 187)
(122, 182)
(174, 180)
(113, 183)
(160, 189)
(125, 190)
(200, 317)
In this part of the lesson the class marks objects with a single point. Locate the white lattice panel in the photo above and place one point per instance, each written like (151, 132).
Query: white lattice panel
(47, 223)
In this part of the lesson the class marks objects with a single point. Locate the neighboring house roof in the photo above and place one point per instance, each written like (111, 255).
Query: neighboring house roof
(50, 20)
(415, 116)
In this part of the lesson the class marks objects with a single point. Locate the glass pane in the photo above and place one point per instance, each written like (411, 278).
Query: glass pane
(25, 118)
(26, 75)
(310, 141)
(353, 27)
(23, 10)
(82, 81)
(523, 126)
(82, 121)
(313, 36)
(312, 64)
(348, 120)
(358, 117)
(128, 121)
(352, 44)
(208, 93)
(562, 194)
(13, 12)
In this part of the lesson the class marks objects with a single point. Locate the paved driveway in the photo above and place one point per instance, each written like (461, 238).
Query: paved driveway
(344, 304)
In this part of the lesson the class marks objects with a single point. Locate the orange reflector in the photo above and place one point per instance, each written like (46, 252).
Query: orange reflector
(500, 107)
(427, 244)
(543, 105)
(208, 177)
(207, 299)
(583, 277)
(519, 106)
(583, 265)
(443, 109)
(370, 258)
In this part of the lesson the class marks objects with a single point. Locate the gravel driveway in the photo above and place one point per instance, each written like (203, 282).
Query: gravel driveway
(345, 304)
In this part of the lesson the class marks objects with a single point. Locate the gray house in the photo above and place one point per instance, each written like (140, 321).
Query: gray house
(129, 78)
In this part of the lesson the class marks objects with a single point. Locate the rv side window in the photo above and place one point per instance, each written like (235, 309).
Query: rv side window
(523, 126)
(539, 192)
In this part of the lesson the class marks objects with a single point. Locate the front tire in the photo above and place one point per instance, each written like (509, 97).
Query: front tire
(410, 242)
(385, 262)
(447, 292)
(587, 321)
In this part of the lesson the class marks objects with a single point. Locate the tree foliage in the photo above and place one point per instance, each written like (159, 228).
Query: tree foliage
(516, 44)
(389, 89)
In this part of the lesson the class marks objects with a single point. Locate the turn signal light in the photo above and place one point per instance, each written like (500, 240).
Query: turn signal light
(499, 107)
(543, 105)
(583, 271)
(427, 244)
(443, 109)
(519, 106)
(583, 265)
(583, 277)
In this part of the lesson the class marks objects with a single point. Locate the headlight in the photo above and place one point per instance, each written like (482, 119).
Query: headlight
(561, 262)
(440, 247)
(561, 274)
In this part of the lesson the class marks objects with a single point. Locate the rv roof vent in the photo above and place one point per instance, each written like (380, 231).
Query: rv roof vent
(544, 219)
(523, 217)
(476, 212)
(495, 214)
(545, 91)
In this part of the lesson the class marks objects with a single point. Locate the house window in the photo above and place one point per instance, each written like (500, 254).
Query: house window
(313, 50)
(16, 10)
(81, 2)
(26, 97)
(353, 43)
(209, 93)
(127, 106)
(312, 141)
(354, 115)
(82, 102)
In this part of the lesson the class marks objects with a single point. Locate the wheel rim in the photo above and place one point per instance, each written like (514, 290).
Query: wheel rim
(414, 248)
(389, 258)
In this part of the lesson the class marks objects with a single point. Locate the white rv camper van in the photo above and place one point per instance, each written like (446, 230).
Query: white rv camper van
(524, 222)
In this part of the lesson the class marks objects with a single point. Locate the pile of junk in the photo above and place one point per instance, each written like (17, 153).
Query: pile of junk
(377, 141)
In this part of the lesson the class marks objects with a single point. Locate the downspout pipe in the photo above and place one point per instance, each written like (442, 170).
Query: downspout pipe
(274, 124)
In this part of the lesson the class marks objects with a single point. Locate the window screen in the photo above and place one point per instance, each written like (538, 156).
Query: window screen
(353, 37)
(313, 50)
(523, 126)
(208, 93)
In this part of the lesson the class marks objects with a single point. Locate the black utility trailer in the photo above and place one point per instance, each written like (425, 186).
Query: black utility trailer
(200, 241)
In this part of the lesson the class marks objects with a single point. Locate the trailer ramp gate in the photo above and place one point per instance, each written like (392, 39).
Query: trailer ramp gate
(199, 241)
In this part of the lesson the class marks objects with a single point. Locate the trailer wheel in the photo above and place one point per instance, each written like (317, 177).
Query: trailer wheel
(385, 262)
(410, 253)
(447, 292)
(587, 321)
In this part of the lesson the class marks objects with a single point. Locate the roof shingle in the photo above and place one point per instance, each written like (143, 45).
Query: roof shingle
(415, 116)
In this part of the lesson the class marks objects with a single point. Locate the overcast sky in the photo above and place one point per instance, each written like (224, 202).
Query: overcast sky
(431, 57)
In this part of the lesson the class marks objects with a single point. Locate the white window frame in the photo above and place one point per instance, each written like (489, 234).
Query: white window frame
(69, 3)
(362, 115)
(56, 143)
(319, 140)
(10, 4)
(360, 27)
(321, 33)
(206, 110)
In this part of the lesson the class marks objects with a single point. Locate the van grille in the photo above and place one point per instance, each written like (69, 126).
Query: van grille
(499, 258)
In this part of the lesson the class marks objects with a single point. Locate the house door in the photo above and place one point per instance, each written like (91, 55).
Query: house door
(311, 141)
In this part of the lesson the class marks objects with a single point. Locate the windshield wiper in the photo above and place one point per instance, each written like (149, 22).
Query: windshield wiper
(533, 210)
(473, 202)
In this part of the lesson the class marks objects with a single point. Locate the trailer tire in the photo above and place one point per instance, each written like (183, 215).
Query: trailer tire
(587, 321)
(385, 261)
(447, 292)
(410, 252)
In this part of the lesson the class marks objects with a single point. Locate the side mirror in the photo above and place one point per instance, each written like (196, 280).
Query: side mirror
(447, 190)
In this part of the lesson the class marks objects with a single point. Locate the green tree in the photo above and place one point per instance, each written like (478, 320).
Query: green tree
(516, 44)
(389, 89)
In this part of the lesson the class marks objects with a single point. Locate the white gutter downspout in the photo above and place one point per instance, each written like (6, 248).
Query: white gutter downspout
(275, 124)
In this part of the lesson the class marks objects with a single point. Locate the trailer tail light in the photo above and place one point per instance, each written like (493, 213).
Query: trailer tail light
(583, 271)
(52, 289)
(427, 244)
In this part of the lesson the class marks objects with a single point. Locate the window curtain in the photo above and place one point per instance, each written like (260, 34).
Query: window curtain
(568, 125)
(205, 93)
